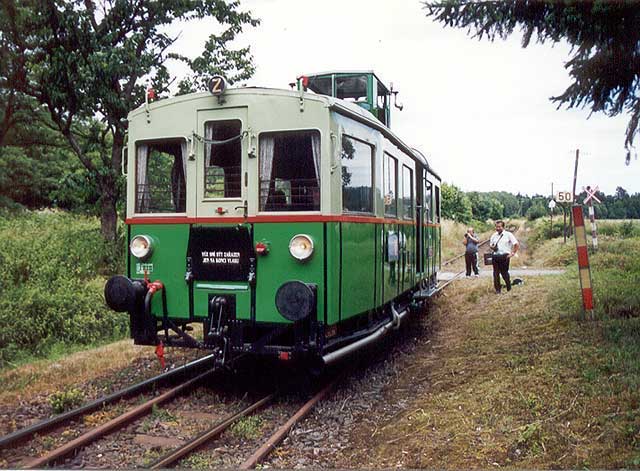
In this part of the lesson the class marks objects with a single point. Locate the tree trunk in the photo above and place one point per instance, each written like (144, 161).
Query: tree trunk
(108, 216)
(110, 191)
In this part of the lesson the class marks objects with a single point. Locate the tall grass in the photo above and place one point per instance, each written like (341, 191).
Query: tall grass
(52, 272)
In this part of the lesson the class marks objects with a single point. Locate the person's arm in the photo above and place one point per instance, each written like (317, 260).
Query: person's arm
(474, 239)
(465, 241)
(516, 245)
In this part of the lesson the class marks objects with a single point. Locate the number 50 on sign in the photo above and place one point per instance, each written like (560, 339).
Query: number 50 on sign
(564, 197)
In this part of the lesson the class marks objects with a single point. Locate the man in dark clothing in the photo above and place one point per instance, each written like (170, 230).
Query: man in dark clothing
(504, 245)
(471, 252)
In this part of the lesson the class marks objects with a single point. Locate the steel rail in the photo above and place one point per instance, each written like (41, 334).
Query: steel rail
(114, 424)
(451, 260)
(283, 431)
(48, 424)
(213, 432)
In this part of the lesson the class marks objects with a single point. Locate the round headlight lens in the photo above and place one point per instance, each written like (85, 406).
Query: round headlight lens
(301, 247)
(140, 246)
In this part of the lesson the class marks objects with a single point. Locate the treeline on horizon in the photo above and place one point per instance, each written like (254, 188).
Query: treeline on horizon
(481, 206)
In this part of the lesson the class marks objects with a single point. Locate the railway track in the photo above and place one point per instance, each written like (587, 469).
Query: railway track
(81, 443)
(48, 424)
(268, 445)
(135, 413)
(460, 273)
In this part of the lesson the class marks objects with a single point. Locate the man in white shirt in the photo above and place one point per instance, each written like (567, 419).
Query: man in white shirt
(504, 245)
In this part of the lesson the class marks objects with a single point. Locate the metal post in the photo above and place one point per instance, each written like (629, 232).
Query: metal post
(564, 229)
(575, 179)
(551, 215)
(592, 218)
(583, 260)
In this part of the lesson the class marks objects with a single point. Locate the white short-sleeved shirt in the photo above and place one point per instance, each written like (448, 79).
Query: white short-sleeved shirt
(506, 242)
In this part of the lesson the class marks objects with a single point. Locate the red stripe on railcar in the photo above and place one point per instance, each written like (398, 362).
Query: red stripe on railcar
(270, 218)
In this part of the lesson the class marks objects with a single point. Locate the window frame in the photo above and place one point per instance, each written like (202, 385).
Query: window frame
(437, 203)
(259, 176)
(134, 180)
(385, 168)
(412, 215)
(209, 199)
(373, 177)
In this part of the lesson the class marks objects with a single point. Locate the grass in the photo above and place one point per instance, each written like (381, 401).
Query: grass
(520, 380)
(248, 427)
(47, 376)
(53, 266)
(452, 235)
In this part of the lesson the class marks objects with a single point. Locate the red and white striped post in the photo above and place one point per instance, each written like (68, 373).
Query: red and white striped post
(591, 195)
(583, 258)
(594, 232)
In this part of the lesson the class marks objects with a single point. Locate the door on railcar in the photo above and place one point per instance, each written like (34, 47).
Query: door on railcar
(221, 175)
(407, 230)
(429, 239)
(420, 229)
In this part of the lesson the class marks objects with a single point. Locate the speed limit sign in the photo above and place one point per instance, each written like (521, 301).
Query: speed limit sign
(564, 197)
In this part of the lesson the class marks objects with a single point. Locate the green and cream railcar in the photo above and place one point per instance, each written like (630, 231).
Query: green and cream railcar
(287, 223)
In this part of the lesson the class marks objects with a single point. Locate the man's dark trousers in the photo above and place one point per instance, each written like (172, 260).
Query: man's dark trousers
(501, 267)
(471, 261)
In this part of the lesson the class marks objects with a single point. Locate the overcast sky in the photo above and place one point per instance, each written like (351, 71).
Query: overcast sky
(479, 111)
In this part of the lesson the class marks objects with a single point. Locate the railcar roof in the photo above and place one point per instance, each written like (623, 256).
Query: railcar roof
(341, 106)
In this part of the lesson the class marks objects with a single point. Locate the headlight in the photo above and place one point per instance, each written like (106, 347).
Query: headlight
(301, 247)
(140, 246)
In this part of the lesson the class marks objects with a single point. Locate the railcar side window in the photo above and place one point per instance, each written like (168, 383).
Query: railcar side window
(357, 175)
(160, 176)
(223, 153)
(290, 171)
(390, 185)
(407, 192)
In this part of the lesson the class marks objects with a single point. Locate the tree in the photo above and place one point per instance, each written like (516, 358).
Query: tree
(603, 34)
(536, 210)
(87, 62)
(455, 204)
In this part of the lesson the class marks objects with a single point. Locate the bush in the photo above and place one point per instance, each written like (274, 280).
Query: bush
(52, 274)
(624, 229)
(615, 272)
(63, 401)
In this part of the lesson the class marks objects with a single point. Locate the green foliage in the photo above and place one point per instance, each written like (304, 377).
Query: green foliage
(247, 427)
(486, 207)
(624, 229)
(537, 210)
(604, 38)
(52, 269)
(615, 273)
(86, 62)
(63, 401)
(542, 230)
(455, 204)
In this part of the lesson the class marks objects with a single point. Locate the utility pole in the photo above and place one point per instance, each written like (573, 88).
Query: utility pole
(575, 179)
(551, 213)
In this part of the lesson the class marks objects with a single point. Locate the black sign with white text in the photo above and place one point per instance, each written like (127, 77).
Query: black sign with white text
(220, 253)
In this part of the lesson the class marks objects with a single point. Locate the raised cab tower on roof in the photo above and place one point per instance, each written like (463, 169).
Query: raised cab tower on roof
(363, 88)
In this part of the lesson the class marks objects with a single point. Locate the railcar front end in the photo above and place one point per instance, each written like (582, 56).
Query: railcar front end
(285, 224)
